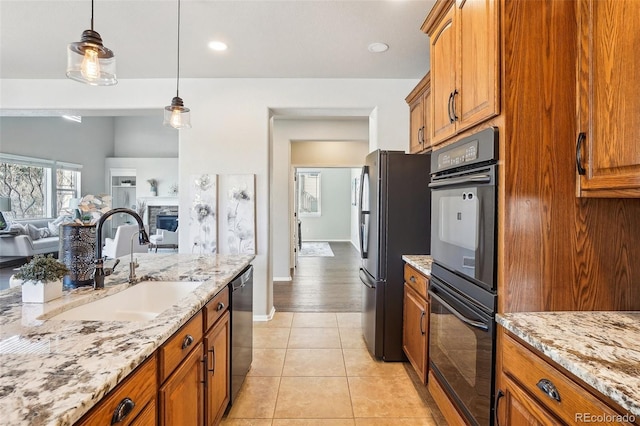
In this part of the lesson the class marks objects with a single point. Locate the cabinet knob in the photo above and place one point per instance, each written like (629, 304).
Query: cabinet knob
(549, 389)
(188, 340)
(412, 279)
(220, 306)
(122, 410)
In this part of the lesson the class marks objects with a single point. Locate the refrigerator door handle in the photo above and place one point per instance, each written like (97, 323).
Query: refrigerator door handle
(364, 277)
(364, 214)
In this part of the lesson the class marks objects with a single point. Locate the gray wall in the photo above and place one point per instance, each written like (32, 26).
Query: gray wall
(55, 138)
(334, 222)
(144, 136)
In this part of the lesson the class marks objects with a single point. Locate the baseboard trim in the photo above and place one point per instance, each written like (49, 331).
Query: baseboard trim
(282, 278)
(263, 318)
(354, 244)
(328, 241)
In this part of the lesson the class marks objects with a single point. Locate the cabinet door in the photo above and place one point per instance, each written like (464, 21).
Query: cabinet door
(516, 407)
(609, 98)
(443, 78)
(218, 371)
(415, 331)
(477, 74)
(416, 120)
(181, 398)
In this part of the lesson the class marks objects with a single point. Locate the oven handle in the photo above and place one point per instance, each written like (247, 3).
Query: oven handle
(477, 324)
(465, 179)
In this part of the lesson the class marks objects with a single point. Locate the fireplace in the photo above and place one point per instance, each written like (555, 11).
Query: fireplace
(153, 212)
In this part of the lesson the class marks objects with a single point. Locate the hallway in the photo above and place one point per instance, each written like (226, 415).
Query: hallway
(322, 284)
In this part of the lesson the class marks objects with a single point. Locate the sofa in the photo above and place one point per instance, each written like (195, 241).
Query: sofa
(26, 238)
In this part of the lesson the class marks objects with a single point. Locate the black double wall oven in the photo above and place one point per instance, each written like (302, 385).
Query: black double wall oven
(463, 279)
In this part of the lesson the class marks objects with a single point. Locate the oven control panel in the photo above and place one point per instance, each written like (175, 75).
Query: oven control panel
(481, 147)
(466, 153)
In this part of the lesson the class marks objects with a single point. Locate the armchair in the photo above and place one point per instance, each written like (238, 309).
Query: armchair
(120, 245)
(164, 239)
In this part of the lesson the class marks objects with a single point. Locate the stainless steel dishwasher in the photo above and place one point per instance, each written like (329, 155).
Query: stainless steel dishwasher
(241, 293)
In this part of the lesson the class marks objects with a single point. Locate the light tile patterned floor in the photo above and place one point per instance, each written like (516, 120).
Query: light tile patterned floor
(313, 369)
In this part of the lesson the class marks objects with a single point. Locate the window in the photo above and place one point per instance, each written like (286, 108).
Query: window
(308, 193)
(38, 188)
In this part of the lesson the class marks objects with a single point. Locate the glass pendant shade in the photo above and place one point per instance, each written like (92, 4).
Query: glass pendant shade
(89, 62)
(177, 115)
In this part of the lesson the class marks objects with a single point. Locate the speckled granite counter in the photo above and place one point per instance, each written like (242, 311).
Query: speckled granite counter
(601, 348)
(52, 372)
(421, 262)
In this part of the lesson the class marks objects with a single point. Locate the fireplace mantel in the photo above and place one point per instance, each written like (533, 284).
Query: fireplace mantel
(160, 201)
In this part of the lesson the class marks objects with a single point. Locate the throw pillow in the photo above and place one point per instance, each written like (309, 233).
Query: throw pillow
(19, 228)
(33, 232)
(53, 229)
(44, 232)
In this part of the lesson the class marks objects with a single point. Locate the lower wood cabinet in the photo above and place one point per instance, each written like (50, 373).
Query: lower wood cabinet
(532, 391)
(415, 325)
(217, 345)
(181, 397)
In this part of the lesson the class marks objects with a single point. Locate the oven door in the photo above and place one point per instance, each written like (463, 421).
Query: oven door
(461, 351)
(463, 216)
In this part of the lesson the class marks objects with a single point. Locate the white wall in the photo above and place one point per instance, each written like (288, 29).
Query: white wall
(144, 136)
(163, 170)
(231, 128)
(54, 138)
(334, 222)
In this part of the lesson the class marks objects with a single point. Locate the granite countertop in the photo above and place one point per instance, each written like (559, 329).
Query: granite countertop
(600, 348)
(52, 372)
(421, 262)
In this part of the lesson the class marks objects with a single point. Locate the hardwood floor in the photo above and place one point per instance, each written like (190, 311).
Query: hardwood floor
(322, 284)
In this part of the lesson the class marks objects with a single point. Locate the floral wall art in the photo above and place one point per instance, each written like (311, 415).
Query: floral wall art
(238, 214)
(203, 214)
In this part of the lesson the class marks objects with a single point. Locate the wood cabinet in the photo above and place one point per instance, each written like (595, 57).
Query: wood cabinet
(607, 150)
(465, 69)
(415, 325)
(132, 402)
(420, 116)
(531, 390)
(217, 346)
(181, 397)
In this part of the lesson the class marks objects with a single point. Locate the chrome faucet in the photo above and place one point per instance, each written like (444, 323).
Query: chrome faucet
(98, 278)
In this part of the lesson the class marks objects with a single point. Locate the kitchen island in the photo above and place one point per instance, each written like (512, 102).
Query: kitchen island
(52, 372)
(598, 348)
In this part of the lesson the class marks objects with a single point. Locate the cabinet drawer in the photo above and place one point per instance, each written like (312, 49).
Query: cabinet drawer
(138, 391)
(216, 307)
(179, 345)
(527, 369)
(416, 280)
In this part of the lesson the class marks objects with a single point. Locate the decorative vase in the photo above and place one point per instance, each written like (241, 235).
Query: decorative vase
(77, 250)
(38, 291)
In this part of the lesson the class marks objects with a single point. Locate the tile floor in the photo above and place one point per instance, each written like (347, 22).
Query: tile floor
(314, 369)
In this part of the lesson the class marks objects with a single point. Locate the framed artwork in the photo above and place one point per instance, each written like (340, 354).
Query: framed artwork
(238, 207)
(355, 190)
(203, 193)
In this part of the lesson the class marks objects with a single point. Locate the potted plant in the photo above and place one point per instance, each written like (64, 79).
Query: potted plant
(41, 279)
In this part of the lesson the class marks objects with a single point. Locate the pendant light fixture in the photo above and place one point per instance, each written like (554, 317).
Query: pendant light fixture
(177, 115)
(89, 62)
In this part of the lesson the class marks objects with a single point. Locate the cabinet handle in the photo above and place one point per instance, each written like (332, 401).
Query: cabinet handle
(581, 137)
(188, 340)
(549, 388)
(122, 410)
(420, 135)
(421, 318)
(212, 351)
(449, 107)
(453, 105)
(220, 306)
(496, 402)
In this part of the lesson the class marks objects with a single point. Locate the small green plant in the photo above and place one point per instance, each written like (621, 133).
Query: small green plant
(42, 268)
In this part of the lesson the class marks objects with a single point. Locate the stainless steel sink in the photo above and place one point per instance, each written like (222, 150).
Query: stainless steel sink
(141, 302)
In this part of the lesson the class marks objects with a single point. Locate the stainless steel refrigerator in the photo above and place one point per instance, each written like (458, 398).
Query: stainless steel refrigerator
(395, 219)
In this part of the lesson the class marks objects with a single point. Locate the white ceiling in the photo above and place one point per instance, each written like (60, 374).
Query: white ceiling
(278, 39)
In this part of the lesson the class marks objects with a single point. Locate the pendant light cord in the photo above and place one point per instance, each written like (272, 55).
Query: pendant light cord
(91, 15)
(178, 70)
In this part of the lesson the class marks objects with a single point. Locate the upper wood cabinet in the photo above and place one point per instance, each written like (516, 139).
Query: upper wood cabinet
(607, 150)
(465, 78)
(419, 101)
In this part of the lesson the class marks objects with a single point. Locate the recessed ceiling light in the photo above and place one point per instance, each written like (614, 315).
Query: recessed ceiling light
(378, 47)
(218, 46)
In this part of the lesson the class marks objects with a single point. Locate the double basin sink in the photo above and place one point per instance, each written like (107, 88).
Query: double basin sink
(141, 302)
